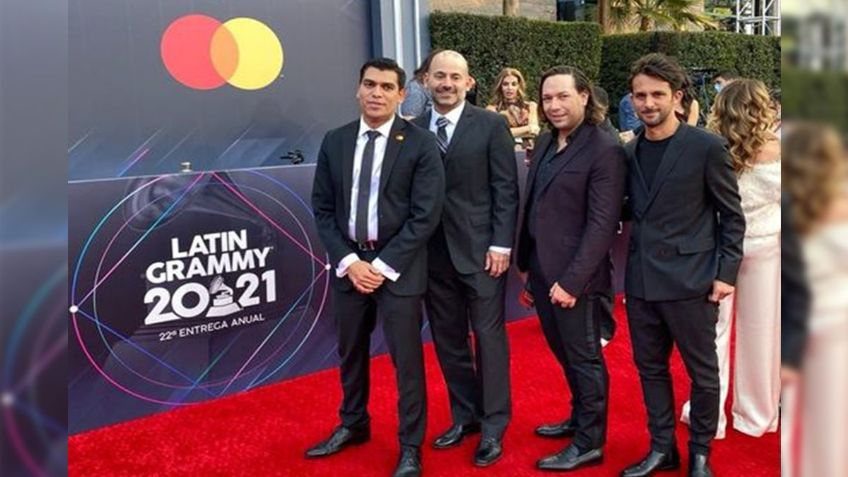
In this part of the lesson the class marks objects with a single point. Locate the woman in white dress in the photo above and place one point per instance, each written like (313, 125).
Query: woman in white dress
(743, 115)
(816, 181)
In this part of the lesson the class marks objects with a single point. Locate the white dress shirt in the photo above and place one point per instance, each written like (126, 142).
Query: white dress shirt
(453, 118)
(373, 200)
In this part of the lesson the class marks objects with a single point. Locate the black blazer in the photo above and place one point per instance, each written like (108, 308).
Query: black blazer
(412, 184)
(481, 191)
(795, 293)
(577, 212)
(688, 225)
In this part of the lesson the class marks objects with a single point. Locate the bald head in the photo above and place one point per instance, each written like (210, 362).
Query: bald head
(448, 80)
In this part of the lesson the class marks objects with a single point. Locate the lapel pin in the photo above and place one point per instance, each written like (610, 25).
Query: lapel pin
(399, 137)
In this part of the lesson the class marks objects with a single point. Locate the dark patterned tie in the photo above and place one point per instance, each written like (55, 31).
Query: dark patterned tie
(362, 197)
(442, 134)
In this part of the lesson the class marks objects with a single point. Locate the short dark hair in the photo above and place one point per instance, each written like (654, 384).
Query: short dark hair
(384, 64)
(662, 67)
(726, 74)
(424, 67)
(594, 113)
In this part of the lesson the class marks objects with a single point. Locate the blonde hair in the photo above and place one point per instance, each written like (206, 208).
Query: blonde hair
(498, 100)
(814, 172)
(743, 114)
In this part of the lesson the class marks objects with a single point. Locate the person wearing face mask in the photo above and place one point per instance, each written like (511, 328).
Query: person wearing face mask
(722, 79)
(509, 98)
(468, 257)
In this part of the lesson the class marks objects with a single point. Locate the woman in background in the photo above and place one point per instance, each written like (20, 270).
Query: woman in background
(816, 180)
(508, 99)
(744, 116)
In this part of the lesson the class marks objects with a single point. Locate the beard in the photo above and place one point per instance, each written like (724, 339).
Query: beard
(660, 117)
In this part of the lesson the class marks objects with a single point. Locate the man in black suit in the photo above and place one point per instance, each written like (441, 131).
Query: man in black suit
(469, 255)
(378, 193)
(575, 189)
(685, 252)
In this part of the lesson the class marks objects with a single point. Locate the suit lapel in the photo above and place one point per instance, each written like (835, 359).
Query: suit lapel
(630, 148)
(570, 153)
(348, 151)
(423, 121)
(393, 147)
(673, 152)
(462, 126)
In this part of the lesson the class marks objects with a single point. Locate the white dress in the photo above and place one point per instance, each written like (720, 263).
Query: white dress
(756, 394)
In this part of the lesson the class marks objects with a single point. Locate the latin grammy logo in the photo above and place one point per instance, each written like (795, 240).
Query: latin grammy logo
(222, 299)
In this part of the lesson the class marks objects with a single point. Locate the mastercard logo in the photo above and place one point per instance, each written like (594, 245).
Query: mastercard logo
(202, 53)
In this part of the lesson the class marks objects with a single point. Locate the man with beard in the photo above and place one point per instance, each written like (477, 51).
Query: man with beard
(685, 252)
(574, 192)
(468, 257)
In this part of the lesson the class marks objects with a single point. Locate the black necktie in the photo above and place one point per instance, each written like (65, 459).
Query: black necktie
(362, 197)
(442, 134)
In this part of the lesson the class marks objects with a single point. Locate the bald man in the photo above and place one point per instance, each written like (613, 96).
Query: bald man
(468, 257)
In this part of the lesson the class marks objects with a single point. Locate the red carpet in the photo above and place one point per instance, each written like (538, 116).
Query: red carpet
(265, 431)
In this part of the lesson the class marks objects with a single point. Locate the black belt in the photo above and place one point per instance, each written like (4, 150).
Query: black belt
(368, 246)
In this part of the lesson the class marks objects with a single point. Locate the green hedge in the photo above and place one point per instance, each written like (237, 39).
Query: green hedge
(816, 96)
(492, 43)
(750, 56)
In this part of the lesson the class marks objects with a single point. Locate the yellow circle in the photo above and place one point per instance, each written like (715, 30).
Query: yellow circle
(260, 54)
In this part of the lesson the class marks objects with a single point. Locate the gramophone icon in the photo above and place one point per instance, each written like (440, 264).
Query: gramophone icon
(222, 299)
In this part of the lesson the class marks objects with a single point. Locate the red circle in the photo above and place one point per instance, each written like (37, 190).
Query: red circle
(185, 50)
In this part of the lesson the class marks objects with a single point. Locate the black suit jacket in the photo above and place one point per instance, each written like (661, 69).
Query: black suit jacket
(688, 225)
(795, 293)
(481, 191)
(577, 212)
(412, 184)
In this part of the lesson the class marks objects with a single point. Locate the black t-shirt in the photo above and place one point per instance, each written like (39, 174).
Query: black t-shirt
(650, 154)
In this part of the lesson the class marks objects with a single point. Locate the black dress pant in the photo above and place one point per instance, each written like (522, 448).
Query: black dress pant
(355, 316)
(691, 324)
(574, 338)
(478, 381)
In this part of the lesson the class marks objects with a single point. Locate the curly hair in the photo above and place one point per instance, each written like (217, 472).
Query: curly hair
(498, 100)
(743, 115)
(814, 172)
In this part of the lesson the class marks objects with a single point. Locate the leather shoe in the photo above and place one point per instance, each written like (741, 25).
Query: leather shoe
(338, 440)
(699, 466)
(556, 430)
(455, 434)
(488, 452)
(571, 458)
(654, 462)
(409, 463)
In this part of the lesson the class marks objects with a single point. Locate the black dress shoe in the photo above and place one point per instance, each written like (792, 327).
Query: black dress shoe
(559, 429)
(455, 434)
(654, 462)
(488, 452)
(338, 440)
(699, 466)
(571, 458)
(409, 463)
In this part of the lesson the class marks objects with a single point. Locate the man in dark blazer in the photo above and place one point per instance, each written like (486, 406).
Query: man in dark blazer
(685, 252)
(574, 194)
(469, 255)
(377, 195)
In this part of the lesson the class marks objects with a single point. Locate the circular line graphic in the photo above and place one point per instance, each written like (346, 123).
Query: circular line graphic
(202, 53)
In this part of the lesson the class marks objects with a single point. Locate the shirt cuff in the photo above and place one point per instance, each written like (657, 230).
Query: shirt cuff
(346, 262)
(386, 270)
(503, 250)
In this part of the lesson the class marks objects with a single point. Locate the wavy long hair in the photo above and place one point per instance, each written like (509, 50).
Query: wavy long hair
(743, 114)
(498, 100)
(813, 173)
